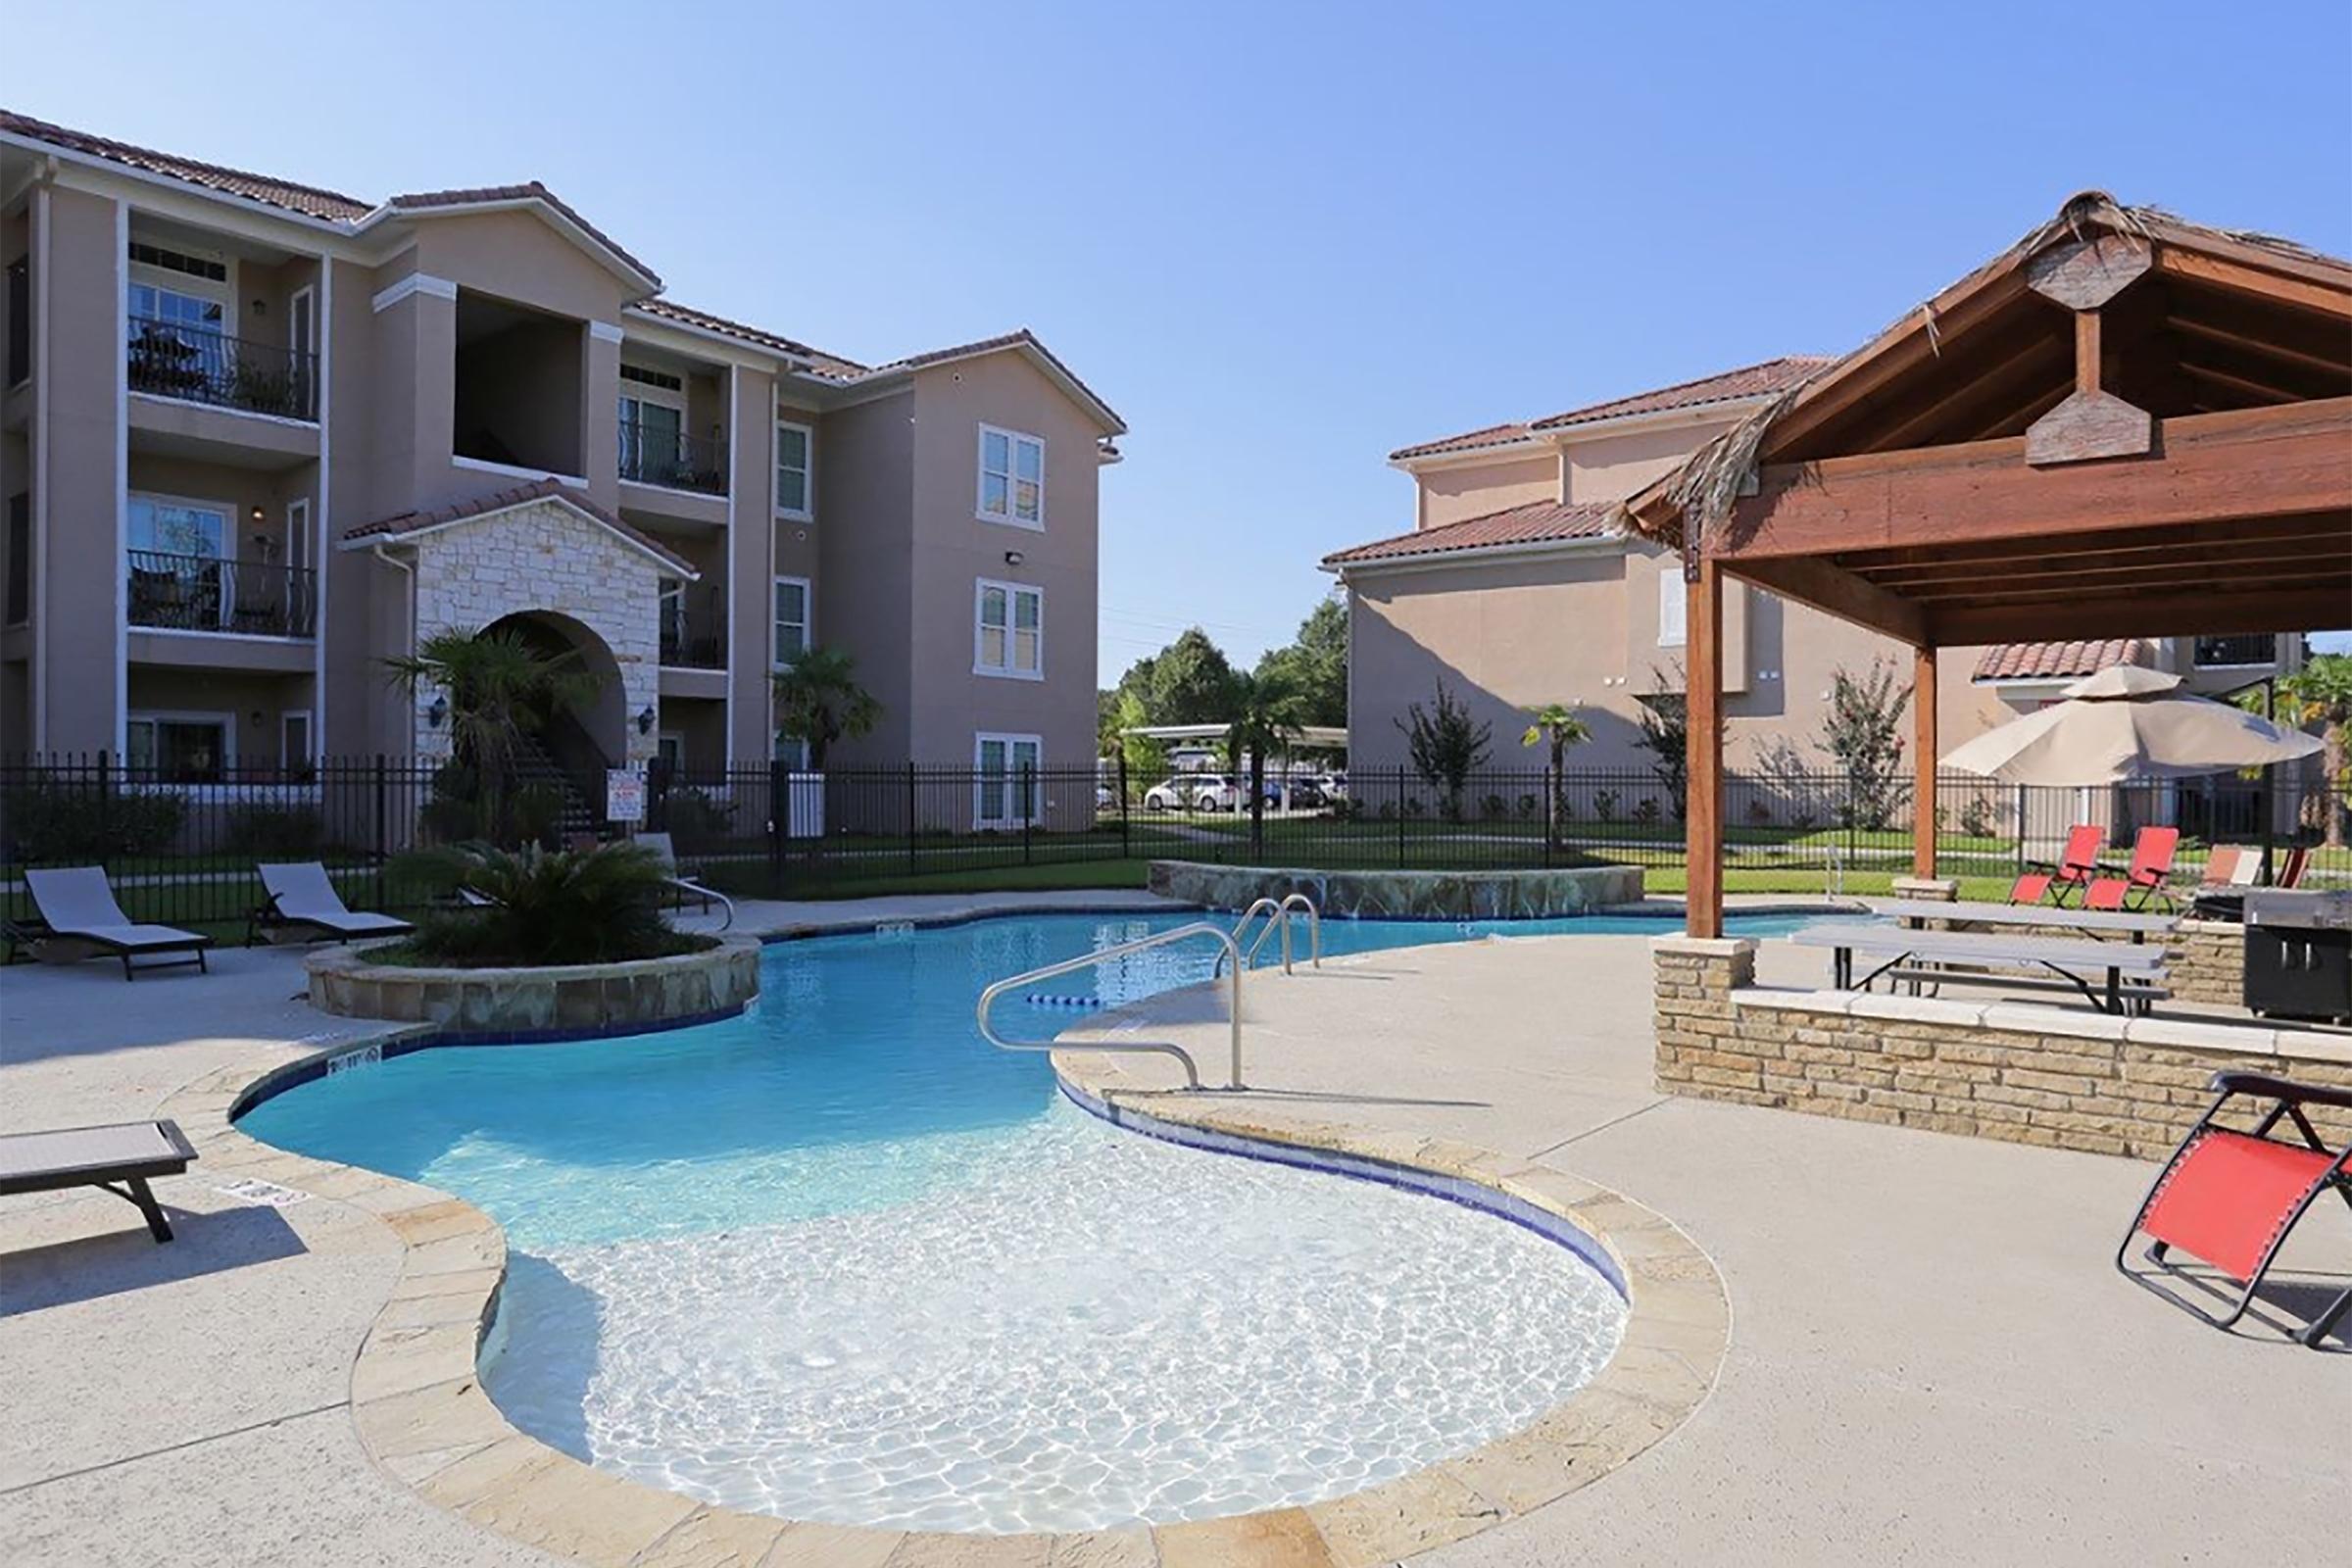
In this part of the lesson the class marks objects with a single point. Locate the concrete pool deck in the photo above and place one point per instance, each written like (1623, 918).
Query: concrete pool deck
(1930, 1356)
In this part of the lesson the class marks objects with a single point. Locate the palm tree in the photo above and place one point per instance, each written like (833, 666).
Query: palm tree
(1556, 723)
(498, 688)
(2320, 693)
(1268, 708)
(818, 701)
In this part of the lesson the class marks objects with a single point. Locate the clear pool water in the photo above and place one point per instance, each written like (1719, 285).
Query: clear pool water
(840, 1259)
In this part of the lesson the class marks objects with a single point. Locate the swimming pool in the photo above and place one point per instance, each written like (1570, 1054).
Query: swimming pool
(841, 1260)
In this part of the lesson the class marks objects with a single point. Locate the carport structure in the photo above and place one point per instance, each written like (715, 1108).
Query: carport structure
(2125, 425)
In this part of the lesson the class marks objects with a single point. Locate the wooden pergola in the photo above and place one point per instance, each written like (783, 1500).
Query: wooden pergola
(2125, 425)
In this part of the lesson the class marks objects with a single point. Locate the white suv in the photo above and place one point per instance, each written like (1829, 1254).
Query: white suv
(1195, 792)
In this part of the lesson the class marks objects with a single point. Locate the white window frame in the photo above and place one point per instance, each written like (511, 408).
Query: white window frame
(1674, 608)
(1013, 591)
(227, 723)
(297, 535)
(808, 616)
(1008, 517)
(224, 294)
(980, 785)
(675, 739)
(806, 512)
(231, 515)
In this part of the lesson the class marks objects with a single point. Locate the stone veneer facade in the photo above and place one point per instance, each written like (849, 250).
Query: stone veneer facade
(1406, 895)
(2064, 1078)
(544, 560)
(526, 1003)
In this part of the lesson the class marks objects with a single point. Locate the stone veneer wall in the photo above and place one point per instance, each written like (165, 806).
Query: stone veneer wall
(1403, 894)
(548, 559)
(2209, 962)
(586, 998)
(2059, 1077)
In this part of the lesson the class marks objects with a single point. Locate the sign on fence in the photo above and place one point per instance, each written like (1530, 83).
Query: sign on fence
(625, 795)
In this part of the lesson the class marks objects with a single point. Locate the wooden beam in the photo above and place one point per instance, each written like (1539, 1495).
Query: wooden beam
(1703, 820)
(1998, 386)
(2311, 293)
(2085, 273)
(1923, 761)
(2091, 422)
(2269, 348)
(2147, 562)
(2246, 463)
(2318, 607)
(2029, 585)
(2247, 385)
(2241, 532)
(1838, 593)
(2019, 417)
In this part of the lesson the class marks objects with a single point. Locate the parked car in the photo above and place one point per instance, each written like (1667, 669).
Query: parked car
(1193, 792)
(1299, 794)
(1104, 797)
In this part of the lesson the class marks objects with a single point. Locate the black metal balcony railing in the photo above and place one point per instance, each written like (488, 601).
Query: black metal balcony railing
(2221, 652)
(655, 455)
(173, 360)
(694, 630)
(204, 593)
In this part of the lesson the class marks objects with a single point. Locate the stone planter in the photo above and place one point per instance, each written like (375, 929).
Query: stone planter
(569, 1002)
(1406, 894)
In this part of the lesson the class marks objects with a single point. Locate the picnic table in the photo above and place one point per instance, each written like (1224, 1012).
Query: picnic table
(2113, 976)
(2121, 923)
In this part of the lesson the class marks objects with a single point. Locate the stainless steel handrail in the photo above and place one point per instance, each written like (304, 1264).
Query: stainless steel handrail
(1280, 914)
(1161, 939)
(1241, 928)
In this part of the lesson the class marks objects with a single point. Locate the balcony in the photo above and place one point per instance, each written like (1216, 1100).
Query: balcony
(195, 365)
(654, 453)
(205, 593)
(694, 630)
(2236, 653)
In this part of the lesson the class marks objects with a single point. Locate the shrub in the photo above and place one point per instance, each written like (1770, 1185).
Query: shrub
(1605, 805)
(1495, 807)
(598, 905)
(1975, 817)
(49, 820)
(276, 831)
(1759, 812)
(697, 820)
(1645, 810)
(1530, 808)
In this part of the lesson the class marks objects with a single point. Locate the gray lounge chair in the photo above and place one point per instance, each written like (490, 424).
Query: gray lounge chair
(302, 898)
(78, 910)
(659, 843)
(128, 1153)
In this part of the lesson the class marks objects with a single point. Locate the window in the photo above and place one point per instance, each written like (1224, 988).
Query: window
(2235, 652)
(796, 446)
(792, 619)
(208, 268)
(1005, 795)
(19, 557)
(654, 378)
(297, 533)
(1008, 630)
(793, 753)
(670, 753)
(177, 527)
(1673, 604)
(1012, 478)
(180, 747)
(294, 742)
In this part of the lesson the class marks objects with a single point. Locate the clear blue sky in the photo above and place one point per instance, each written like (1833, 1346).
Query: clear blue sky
(1281, 239)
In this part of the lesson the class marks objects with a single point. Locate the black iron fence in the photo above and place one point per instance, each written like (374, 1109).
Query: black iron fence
(179, 839)
(206, 593)
(196, 365)
(663, 455)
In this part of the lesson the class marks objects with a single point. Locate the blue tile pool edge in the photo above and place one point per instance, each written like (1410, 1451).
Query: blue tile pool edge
(1556, 1229)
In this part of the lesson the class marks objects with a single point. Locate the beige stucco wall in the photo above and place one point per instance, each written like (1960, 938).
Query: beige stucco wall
(1609, 467)
(81, 367)
(865, 550)
(1454, 492)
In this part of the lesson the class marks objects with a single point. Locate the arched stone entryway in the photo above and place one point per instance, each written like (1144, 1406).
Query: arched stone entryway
(602, 717)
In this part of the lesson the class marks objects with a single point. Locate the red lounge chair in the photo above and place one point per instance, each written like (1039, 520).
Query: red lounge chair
(2229, 1197)
(2075, 868)
(2152, 864)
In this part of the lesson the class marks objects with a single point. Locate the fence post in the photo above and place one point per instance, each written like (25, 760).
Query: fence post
(1028, 807)
(381, 811)
(106, 806)
(779, 822)
(912, 862)
(1126, 836)
(1552, 795)
(1401, 816)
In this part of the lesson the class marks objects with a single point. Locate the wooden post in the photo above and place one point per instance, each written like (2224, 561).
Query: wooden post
(1923, 763)
(1704, 714)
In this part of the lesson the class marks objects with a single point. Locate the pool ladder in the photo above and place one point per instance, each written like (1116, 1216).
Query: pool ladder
(1182, 933)
(1278, 914)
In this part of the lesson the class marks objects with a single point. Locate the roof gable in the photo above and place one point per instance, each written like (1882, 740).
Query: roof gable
(403, 527)
(1537, 522)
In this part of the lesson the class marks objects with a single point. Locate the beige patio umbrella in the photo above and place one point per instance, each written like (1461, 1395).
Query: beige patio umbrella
(2127, 722)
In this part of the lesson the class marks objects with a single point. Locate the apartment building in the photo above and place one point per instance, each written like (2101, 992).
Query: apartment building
(258, 437)
(1517, 587)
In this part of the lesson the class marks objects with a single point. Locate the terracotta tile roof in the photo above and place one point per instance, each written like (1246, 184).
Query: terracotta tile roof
(403, 523)
(309, 200)
(2059, 660)
(1494, 435)
(1537, 522)
(1748, 381)
(530, 190)
(759, 338)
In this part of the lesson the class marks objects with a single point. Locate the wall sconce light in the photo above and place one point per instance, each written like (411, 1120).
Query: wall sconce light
(257, 719)
(645, 720)
(259, 514)
(434, 715)
(1012, 558)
